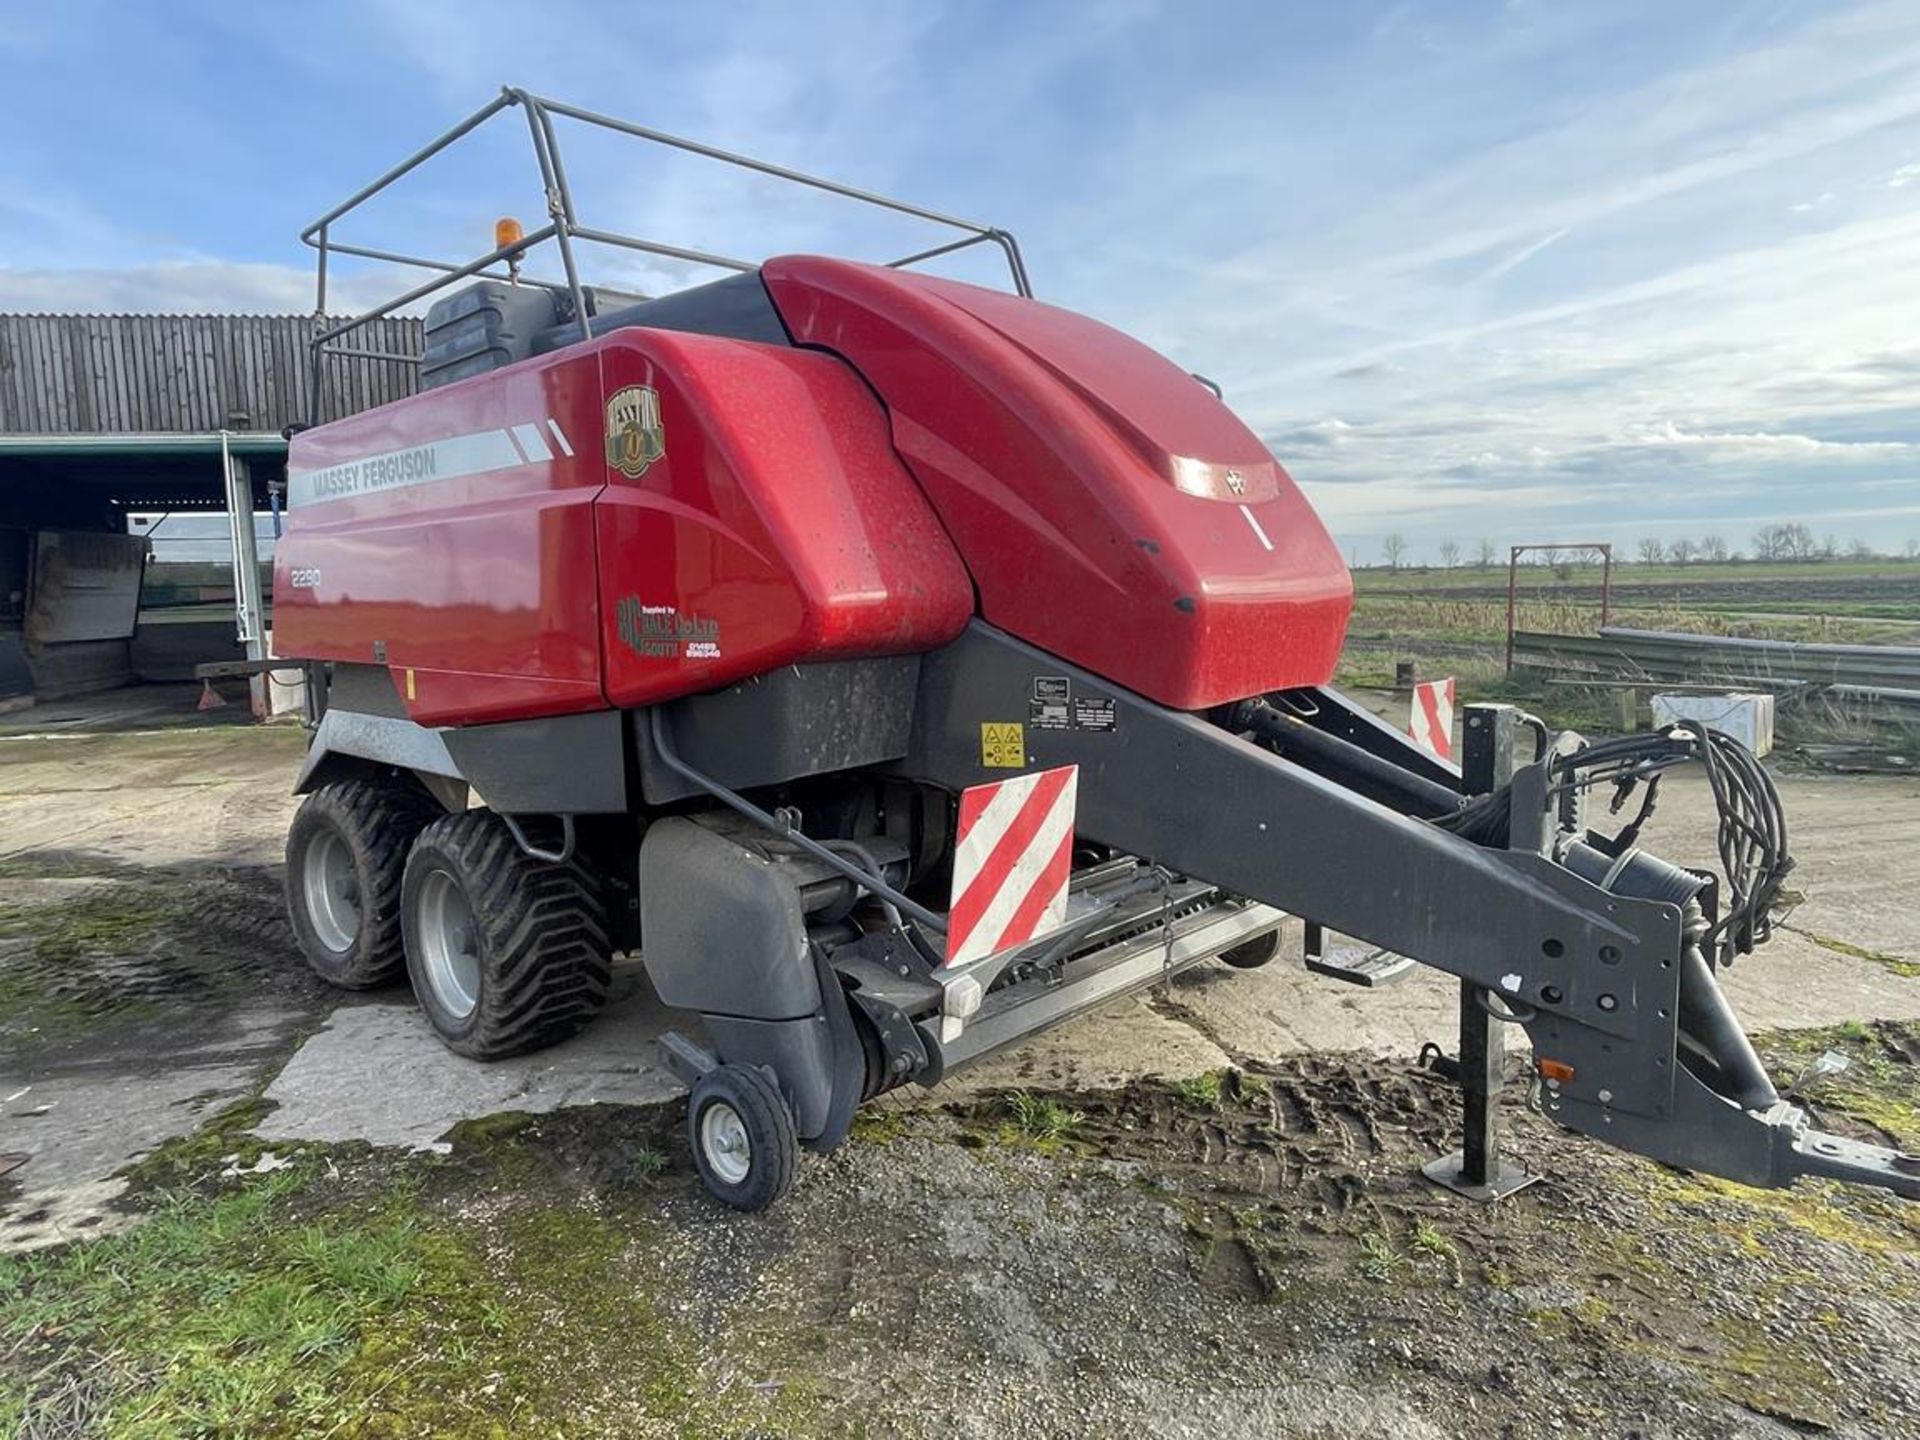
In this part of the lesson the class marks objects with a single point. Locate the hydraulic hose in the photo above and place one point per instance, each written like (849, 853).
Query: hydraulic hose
(1342, 761)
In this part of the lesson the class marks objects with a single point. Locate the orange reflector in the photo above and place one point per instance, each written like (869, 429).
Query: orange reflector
(1554, 1070)
(507, 231)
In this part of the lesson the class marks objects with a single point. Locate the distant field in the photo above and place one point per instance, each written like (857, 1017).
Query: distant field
(1425, 577)
(1454, 620)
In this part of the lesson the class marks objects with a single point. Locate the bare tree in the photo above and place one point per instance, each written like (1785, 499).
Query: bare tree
(1652, 552)
(1449, 553)
(1858, 549)
(1792, 541)
(1485, 554)
(1713, 549)
(1683, 550)
(1394, 547)
(1913, 549)
(1829, 548)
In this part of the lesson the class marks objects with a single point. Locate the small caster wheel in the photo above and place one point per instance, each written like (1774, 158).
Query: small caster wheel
(1253, 954)
(742, 1137)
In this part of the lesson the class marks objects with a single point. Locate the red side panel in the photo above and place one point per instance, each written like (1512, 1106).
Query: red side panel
(479, 540)
(1108, 507)
(777, 525)
(451, 535)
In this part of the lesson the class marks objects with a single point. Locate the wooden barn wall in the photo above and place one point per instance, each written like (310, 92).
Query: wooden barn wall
(117, 374)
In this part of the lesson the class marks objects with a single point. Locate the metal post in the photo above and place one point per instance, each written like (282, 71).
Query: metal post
(248, 605)
(1513, 565)
(1606, 586)
(1476, 1169)
(559, 207)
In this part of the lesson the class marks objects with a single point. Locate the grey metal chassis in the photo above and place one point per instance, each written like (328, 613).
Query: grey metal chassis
(1594, 975)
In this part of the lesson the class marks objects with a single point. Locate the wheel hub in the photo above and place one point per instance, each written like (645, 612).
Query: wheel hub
(446, 935)
(332, 890)
(723, 1140)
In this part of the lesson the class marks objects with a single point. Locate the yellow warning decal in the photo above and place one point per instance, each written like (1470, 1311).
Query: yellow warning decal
(411, 695)
(1003, 747)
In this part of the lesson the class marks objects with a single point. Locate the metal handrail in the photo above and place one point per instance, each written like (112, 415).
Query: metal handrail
(564, 226)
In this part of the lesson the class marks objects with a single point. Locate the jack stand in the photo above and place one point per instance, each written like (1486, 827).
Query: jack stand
(1476, 1169)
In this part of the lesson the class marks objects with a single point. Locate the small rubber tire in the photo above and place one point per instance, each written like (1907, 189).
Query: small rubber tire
(742, 1106)
(1254, 953)
(359, 831)
(536, 958)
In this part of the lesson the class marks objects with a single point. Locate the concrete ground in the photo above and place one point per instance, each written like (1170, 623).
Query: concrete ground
(194, 818)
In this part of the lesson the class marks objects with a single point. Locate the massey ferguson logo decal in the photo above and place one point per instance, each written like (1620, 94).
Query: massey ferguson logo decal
(635, 438)
(1236, 482)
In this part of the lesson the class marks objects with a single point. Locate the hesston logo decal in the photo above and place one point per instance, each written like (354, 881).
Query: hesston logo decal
(635, 436)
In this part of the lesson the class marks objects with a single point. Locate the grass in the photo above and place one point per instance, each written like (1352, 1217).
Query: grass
(1205, 1091)
(1377, 1260)
(322, 1301)
(1628, 576)
(1039, 1118)
(221, 1316)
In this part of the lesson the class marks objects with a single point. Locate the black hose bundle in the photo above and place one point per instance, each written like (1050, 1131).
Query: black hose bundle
(1752, 830)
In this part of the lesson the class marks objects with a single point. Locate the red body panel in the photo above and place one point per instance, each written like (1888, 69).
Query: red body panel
(481, 541)
(777, 525)
(1110, 509)
(478, 584)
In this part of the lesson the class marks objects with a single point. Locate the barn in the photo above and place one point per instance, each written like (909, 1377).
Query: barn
(119, 433)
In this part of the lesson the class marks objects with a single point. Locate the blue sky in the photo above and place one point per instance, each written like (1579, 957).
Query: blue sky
(1512, 271)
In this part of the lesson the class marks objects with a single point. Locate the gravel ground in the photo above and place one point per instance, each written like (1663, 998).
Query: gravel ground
(1253, 1258)
(1252, 1254)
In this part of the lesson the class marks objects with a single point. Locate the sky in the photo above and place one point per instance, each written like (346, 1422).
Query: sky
(1540, 270)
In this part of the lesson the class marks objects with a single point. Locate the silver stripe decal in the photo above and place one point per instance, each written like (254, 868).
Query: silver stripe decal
(1254, 521)
(559, 436)
(534, 443)
(444, 459)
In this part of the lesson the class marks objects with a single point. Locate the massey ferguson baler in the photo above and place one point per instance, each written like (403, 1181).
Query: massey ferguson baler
(899, 665)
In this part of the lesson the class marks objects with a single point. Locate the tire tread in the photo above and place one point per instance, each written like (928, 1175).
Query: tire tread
(546, 958)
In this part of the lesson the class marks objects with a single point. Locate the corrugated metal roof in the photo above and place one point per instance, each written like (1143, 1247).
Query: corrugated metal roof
(120, 374)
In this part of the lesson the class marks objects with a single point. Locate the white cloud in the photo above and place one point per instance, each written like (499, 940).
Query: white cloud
(184, 287)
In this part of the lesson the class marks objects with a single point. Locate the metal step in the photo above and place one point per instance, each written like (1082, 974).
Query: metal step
(1351, 961)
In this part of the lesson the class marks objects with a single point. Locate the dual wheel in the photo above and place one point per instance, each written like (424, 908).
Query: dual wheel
(506, 953)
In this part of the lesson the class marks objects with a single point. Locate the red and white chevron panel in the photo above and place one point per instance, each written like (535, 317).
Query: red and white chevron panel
(1013, 855)
(1432, 723)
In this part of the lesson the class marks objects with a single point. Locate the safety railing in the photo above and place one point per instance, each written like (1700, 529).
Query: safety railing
(564, 228)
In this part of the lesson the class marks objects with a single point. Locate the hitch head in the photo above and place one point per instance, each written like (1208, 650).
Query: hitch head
(1770, 1148)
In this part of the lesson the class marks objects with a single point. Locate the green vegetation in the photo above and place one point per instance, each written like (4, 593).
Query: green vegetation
(1202, 1090)
(225, 1316)
(1041, 1119)
(365, 1300)
(1377, 1260)
(107, 919)
(1879, 1088)
(1899, 965)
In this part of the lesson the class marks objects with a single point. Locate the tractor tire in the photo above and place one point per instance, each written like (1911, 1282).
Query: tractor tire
(742, 1136)
(506, 953)
(346, 851)
(1253, 954)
